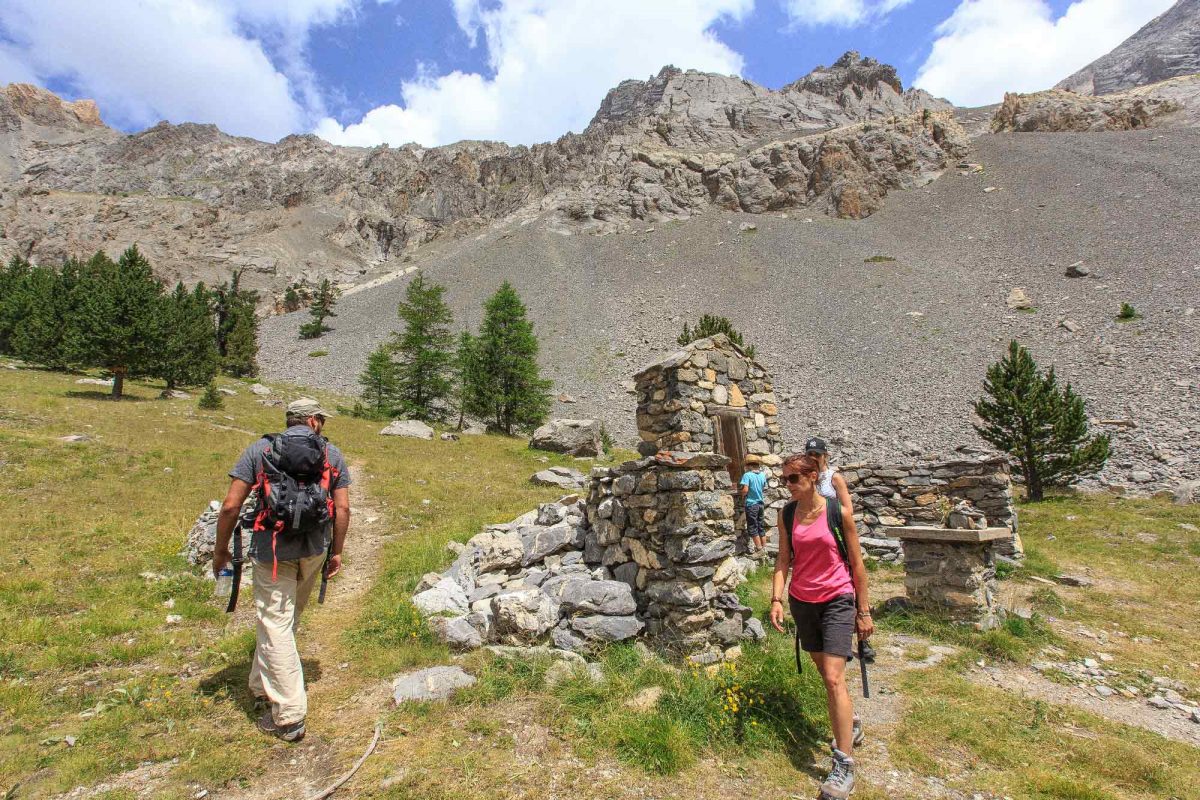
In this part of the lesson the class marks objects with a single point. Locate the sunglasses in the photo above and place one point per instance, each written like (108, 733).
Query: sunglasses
(794, 477)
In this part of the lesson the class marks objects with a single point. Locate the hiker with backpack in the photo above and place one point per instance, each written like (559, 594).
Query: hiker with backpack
(299, 528)
(827, 596)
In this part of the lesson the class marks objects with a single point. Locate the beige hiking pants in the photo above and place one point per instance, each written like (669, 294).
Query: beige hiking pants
(276, 673)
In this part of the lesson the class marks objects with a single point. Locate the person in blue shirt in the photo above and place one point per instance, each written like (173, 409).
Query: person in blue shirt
(754, 481)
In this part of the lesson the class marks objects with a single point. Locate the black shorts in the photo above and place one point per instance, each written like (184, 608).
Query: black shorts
(826, 627)
(754, 520)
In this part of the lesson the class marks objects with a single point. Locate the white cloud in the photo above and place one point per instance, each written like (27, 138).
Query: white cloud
(203, 60)
(988, 47)
(552, 62)
(845, 13)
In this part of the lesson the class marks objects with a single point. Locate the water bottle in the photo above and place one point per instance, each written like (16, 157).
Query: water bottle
(224, 582)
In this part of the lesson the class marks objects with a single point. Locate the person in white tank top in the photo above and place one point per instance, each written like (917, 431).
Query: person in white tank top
(830, 484)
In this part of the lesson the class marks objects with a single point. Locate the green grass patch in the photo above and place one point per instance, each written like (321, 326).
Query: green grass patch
(878, 260)
(979, 738)
(1145, 563)
(318, 354)
(84, 596)
(1016, 639)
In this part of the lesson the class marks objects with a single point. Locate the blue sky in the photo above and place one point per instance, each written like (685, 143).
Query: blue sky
(434, 71)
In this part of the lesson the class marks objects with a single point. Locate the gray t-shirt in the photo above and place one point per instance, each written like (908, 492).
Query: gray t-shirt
(290, 548)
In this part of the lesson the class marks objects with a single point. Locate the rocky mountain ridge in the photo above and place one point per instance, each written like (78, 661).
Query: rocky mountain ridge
(1166, 47)
(200, 202)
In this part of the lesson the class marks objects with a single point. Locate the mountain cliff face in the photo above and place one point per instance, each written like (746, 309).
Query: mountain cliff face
(1167, 47)
(200, 201)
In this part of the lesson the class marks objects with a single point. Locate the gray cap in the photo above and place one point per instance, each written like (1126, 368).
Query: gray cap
(307, 407)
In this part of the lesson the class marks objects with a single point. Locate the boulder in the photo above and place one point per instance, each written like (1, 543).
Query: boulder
(522, 616)
(501, 551)
(174, 394)
(577, 437)
(412, 428)
(562, 477)
(538, 542)
(754, 630)
(602, 628)
(446, 596)
(1187, 492)
(612, 598)
(259, 389)
(457, 632)
(434, 683)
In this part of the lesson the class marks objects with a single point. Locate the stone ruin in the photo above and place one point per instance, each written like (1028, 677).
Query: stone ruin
(655, 548)
(652, 550)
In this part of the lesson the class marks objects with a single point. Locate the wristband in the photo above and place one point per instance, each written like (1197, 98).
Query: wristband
(777, 600)
(864, 613)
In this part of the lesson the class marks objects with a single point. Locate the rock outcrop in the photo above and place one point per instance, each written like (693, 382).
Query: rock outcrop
(1166, 47)
(201, 202)
(1056, 111)
(576, 437)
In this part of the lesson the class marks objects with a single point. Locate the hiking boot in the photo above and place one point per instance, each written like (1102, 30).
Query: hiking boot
(840, 782)
(292, 732)
(858, 737)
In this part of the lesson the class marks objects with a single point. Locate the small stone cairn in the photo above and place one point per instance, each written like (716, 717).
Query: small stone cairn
(202, 538)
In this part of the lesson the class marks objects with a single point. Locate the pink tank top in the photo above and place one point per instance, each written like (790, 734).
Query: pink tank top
(818, 572)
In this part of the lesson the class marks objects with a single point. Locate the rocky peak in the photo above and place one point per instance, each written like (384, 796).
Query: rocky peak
(1167, 47)
(849, 71)
(25, 102)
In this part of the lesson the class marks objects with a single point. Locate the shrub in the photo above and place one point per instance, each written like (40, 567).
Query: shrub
(1127, 313)
(211, 400)
(711, 325)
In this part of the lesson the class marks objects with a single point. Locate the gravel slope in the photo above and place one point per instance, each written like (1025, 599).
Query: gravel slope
(851, 356)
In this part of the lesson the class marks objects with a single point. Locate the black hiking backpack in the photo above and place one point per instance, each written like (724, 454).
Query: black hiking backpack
(295, 486)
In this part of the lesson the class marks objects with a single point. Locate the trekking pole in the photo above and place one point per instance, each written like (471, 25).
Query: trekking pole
(862, 665)
(325, 573)
(236, 563)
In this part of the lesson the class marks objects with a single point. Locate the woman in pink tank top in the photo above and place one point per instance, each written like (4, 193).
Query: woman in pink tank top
(827, 595)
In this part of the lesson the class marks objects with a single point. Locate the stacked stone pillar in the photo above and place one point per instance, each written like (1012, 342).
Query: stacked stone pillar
(665, 524)
(952, 571)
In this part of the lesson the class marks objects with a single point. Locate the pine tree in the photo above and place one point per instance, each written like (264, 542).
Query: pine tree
(116, 322)
(187, 354)
(380, 382)
(466, 379)
(13, 300)
(711, 325)
(211, 400)
(506, 385)
(237, 326)
(321, 309)
(291, 299)
(241, 343)
(1028, 417)
(45, 300)
(424, 350)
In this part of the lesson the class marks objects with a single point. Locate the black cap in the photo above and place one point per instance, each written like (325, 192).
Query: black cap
(815, 445)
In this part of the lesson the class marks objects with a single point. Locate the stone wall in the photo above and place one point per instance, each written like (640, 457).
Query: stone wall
(649, 552)
(666, 525)
(889, 495)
